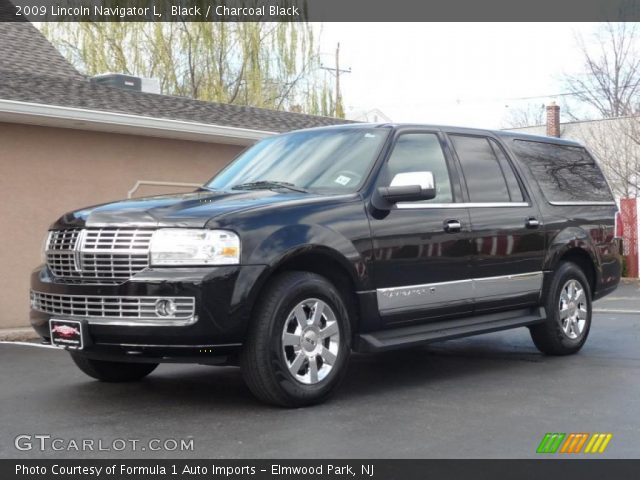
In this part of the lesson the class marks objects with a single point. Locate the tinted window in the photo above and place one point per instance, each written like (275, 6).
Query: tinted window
(565, 174)
(421, 152)
(329, 160)
(482, 172)
(515, 192)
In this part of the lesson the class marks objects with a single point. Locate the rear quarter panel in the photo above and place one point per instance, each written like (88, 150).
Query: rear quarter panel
(590, 228)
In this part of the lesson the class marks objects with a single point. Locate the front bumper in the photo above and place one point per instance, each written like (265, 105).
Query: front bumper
(220, 297)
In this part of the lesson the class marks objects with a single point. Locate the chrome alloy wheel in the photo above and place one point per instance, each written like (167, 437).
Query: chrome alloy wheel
(573, 309)
(311, 341)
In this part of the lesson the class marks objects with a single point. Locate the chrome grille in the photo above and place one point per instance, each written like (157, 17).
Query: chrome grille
(60, 252)
(62, 264)
(108, 307)
(117, 239)
(63, 239)
(98, 254)
(110, 266)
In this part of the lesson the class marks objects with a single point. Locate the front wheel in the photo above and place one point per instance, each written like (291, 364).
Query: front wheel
(299, 341)
(568, 307)
(113, 371)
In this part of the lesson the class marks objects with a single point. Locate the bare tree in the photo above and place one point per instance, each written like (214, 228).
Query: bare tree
(610, 82)
(615, 143)
(609, 86)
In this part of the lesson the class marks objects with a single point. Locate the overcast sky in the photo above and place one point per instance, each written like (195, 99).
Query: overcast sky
(466, 74)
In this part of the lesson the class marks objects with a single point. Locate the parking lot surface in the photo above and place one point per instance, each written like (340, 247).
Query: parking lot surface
(491, 396)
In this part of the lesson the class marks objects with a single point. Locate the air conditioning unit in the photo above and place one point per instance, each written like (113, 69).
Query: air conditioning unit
(128, 82)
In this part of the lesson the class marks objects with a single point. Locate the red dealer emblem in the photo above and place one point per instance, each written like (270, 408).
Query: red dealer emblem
(65, 331)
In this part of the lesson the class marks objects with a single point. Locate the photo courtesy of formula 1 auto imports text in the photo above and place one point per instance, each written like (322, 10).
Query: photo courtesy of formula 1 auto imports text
(319, 239)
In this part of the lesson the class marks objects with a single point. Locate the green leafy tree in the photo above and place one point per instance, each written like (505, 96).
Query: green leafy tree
(268, 64)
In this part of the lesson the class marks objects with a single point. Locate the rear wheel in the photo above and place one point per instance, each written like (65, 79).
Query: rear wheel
(299, 341)
(113, 371)
(568, 307)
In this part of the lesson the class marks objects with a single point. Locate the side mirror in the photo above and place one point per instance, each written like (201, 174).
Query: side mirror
(409, 187)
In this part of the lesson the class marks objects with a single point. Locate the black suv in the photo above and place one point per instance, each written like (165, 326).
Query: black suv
(318, 242)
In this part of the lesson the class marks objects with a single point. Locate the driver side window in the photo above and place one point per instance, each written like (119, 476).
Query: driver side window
(421, 152)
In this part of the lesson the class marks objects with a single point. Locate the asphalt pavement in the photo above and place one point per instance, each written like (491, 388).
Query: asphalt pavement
(491, 396)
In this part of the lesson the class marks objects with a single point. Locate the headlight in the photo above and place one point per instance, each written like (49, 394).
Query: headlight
(183, 246)
(45, 246)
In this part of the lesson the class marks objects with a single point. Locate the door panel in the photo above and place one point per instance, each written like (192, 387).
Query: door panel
(504, 247)
(419, 266)
(506, 226)
(422, 250)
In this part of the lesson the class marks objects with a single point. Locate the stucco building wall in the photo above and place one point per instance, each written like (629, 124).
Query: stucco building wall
(46, 172)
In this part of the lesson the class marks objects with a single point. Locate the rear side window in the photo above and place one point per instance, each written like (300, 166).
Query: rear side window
(515, 192)
(564, 173)
(487, 172)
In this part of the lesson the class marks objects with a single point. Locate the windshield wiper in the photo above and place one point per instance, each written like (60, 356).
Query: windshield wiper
(268, 184)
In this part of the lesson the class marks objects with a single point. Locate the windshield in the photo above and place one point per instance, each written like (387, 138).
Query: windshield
(334, 160)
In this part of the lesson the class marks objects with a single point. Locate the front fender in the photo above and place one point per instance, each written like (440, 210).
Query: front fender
(290, 241)
(293, 241)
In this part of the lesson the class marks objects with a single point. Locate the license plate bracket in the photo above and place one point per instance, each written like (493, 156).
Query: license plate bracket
(68, 334)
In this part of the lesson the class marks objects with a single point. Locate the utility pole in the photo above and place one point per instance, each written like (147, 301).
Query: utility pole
(339, 109)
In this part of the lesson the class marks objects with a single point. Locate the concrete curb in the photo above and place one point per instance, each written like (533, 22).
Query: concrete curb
(17, 334)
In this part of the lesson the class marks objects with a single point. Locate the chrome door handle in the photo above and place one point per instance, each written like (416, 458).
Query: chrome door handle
(452, 226)
(532, 222)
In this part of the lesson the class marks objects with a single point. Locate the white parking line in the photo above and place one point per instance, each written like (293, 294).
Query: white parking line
(613, 310)
(615, 299)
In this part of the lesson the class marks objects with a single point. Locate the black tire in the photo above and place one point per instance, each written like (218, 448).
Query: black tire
(113, 371)
(264, 359)
(550, 337)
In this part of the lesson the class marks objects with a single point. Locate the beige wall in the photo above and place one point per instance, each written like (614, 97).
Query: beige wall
(46, 172)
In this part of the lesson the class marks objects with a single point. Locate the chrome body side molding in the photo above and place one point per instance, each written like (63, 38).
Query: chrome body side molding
(428, 295)
(462, 205)
(507, 285)
(418, 296)
(576, 203)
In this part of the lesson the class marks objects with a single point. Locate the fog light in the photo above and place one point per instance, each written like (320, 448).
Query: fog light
(165, 307)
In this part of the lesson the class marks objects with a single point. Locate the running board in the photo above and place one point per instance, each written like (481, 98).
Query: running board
(447, 329)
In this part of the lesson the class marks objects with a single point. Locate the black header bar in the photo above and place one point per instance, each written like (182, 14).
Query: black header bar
(318, 10)
(579, 468)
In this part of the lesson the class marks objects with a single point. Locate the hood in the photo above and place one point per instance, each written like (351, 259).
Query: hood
(179, 210)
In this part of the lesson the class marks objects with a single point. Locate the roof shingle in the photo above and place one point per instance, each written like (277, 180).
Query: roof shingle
(26, 50)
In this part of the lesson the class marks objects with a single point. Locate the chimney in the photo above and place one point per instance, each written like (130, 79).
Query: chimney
(553, 120)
